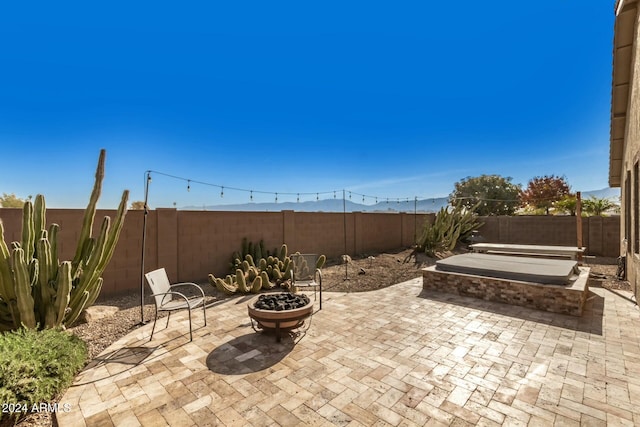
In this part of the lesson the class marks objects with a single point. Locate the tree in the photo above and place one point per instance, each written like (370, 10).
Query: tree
(489, 194)
(11, 201)
(137, 205)
(597, 206)
(567, 204)
(543, 191)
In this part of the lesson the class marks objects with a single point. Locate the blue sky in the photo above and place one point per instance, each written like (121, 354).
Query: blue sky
(387, 99)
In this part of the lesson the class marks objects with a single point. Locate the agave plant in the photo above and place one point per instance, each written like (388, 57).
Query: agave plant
(450, 226)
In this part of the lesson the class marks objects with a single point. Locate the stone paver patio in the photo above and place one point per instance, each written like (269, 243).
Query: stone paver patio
(397, 356)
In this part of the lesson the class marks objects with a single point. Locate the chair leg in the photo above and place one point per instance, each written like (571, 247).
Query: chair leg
(168, 317)
(154, 324)
(320, 291)
(204, 313)
(190, 329)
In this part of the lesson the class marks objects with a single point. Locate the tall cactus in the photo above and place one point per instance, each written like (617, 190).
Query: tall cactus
(36, 289)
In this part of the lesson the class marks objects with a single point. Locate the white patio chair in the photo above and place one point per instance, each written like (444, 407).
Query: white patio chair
(304, 274)
(166, 299)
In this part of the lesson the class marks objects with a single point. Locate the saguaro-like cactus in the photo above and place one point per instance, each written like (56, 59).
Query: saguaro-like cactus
(36, 289)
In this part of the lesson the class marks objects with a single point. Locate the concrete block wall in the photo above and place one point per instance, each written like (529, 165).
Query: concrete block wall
(600, 235)
(192, 244)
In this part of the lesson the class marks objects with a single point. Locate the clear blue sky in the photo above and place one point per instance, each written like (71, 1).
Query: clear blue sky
(388, 99)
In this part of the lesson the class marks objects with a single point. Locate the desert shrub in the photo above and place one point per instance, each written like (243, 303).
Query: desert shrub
(450, 226)
(35, 366)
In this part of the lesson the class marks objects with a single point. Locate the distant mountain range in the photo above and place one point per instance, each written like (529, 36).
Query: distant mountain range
(333, 205)
(612, 194)
(336, 205)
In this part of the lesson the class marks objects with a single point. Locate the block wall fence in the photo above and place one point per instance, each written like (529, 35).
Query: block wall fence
(192, 244)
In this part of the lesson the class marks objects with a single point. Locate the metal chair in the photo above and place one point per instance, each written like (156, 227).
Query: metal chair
(305, 274)
(163, 295)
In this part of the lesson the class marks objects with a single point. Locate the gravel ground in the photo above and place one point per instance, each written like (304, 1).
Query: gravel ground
(363, 273)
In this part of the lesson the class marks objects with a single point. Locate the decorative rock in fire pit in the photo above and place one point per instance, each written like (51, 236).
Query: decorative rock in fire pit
(280, 311)
(279, 302)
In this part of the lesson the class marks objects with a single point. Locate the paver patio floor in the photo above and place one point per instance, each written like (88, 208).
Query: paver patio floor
(396, 356)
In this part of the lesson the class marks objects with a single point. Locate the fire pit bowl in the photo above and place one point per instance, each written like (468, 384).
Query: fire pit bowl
(279, 312)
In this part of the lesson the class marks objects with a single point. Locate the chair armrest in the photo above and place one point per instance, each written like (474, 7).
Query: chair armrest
(188, 284)
(172, 293)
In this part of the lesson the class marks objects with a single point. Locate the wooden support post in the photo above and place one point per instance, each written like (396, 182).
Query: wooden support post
(579, 222)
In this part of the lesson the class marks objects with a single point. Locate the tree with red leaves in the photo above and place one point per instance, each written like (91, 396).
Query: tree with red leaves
(543, 191)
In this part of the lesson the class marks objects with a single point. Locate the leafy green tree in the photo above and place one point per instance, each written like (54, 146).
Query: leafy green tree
(11, 201)
(543, 191)
(567, 204)
(487, 195)
(597, 206)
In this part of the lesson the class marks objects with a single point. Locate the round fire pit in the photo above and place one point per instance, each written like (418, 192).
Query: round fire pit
(279, 312)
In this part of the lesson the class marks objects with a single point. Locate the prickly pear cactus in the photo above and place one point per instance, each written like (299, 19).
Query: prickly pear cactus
(322, 259)
(37, 290)
(254, 262)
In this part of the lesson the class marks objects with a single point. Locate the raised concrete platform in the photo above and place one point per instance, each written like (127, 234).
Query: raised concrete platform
(567, 299)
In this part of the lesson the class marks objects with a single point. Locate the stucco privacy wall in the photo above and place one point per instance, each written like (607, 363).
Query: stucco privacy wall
(192, 244)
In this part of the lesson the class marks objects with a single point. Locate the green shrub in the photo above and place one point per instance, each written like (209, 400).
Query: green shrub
(35, 366)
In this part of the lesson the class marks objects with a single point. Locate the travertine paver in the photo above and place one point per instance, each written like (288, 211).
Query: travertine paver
(397, 356)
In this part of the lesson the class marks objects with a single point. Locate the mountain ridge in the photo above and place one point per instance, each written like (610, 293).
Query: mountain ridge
(338, 205)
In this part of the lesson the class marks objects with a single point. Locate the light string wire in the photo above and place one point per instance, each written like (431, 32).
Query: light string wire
(348, 193)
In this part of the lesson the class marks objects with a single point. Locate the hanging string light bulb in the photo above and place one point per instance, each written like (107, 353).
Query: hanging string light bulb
(363, 198)
(334, 194)
(376, 200)
(349, 195)
(221, 192)
(276, 197)
(188, 185)
(251, 195)
(317, 197)
(298, 198)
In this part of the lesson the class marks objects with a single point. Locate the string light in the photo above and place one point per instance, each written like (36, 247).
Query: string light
(298, 194)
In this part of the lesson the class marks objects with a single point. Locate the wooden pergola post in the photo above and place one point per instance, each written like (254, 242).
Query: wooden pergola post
(579, 222)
